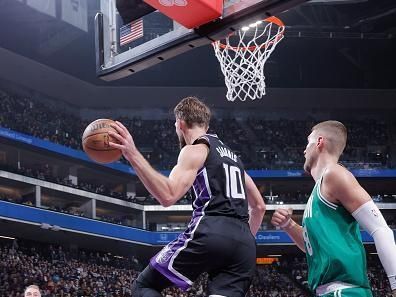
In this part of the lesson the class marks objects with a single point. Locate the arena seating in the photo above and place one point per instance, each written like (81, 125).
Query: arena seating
(59, 271)
(278, 144)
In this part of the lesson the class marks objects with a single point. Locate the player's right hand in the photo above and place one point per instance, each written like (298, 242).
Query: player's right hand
(125, 139)
(282, 217)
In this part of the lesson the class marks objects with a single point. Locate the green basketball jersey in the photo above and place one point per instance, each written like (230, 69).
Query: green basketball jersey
(333, 243)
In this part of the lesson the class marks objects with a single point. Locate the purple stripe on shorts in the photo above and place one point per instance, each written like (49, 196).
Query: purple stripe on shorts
(161, 261)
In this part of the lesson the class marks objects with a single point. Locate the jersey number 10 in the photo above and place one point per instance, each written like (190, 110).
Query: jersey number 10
(234, 185)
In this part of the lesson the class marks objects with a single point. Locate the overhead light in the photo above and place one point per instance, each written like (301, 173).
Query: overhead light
(274, 255)
(245, 28)
(6, 237)
(255, 24)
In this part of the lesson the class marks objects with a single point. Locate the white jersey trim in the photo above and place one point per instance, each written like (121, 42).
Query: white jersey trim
(335, 287)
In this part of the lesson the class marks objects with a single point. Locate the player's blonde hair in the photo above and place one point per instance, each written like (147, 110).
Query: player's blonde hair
(335, 134)
(193, 111)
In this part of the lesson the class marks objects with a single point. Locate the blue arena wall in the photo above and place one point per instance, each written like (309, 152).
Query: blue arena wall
(37, 216)
(77, 154)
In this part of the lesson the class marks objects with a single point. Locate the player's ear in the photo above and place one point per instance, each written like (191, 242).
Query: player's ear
(182, 125)
(320, 142)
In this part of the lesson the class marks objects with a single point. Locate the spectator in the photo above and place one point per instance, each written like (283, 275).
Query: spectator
(32, 291)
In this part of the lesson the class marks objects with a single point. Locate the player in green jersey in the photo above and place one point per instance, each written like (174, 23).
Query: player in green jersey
(330, 234)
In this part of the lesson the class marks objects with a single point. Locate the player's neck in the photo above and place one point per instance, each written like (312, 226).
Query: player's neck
(193, 134)
(322, 163)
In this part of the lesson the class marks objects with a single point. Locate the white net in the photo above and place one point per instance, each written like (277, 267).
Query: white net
(242, 57)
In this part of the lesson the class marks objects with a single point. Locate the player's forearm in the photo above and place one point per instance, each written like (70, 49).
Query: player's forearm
(256, 205)
(386, 249)
(370, 219)
(155, 182)
(256, 218)
(295, 231)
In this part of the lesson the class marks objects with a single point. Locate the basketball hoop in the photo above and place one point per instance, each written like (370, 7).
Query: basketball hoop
(242, 56)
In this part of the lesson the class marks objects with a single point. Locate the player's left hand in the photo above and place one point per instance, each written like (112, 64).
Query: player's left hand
(125, 139)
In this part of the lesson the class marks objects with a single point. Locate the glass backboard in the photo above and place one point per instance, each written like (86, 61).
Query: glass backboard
(124, 48)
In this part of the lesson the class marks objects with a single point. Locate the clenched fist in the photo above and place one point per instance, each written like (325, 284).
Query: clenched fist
(282, 217)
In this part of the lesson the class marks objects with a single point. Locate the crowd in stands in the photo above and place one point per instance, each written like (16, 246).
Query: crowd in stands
(263, 144)
(64, 273)
(60, 271)
(273, 280)
(40, 120)
(378, 279)
(298, 269)
(269, 281)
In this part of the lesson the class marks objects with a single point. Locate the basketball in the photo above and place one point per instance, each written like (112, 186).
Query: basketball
(95, 141)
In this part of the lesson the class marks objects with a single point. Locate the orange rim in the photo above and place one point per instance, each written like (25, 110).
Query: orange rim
(279, 35)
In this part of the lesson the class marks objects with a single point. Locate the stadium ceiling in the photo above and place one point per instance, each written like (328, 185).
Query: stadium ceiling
(329, 44)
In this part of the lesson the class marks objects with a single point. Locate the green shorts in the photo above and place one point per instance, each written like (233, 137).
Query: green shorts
(351, 292)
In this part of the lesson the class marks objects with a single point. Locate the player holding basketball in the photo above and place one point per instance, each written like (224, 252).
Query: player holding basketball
(330, 234)
(228, 209)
